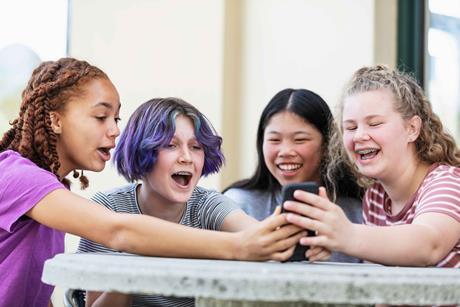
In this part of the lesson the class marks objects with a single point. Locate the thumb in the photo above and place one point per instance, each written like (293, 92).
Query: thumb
(277, 211)
(322, 193)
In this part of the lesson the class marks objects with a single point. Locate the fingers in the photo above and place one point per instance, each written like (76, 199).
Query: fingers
(285, 232)
(277, 211)
(305, 222)
(285, 245)
(274, 221)
(284, 255)
(304, 209)
(317, 253)
(320, 201)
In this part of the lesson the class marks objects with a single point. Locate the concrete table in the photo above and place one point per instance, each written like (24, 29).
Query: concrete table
(240, 283)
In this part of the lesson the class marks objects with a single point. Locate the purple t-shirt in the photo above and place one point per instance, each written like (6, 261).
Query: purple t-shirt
(24, 243)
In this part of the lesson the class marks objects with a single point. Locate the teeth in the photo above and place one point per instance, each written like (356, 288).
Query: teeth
(289, 167)
(365, 151)
(183, 173)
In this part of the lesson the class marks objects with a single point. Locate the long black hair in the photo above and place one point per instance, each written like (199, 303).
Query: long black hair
(314, 110)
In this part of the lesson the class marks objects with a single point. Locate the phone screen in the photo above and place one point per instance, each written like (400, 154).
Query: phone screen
(288, 194)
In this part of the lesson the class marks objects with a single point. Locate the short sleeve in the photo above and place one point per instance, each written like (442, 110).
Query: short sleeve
(23, 184)
(441, 193)
(214, 209)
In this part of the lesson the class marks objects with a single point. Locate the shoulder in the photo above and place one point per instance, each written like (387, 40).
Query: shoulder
(22, 177)
(12, 165)
(445, 173)
(442, 179)
(243, 195)
(441, 188)
(118, 199)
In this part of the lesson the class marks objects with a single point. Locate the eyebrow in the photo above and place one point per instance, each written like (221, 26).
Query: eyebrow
(106, 105)
(372, 116)
(295, 132)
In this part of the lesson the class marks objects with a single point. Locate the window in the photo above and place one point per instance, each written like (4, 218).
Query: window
(443, 62)
(30, 32)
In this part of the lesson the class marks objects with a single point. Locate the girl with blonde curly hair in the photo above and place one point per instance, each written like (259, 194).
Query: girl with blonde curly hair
(410, 166)
(68, 120)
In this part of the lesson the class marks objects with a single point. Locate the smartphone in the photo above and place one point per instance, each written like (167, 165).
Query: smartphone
(288, 194)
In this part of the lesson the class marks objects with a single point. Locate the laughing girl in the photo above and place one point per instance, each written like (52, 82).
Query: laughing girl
(398, 147)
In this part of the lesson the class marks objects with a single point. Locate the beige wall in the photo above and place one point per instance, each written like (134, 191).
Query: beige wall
(229, 57)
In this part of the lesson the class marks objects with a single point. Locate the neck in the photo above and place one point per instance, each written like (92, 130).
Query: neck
(154, 205)
(405, 183)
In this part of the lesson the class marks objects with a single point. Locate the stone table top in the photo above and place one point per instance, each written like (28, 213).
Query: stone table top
(326, 282)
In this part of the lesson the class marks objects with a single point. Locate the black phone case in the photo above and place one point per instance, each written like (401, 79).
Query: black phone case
(288, 194)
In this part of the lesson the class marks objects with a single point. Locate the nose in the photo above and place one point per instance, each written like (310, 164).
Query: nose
(361, 134)
(114, 130)
(286, 149)
(185, 156)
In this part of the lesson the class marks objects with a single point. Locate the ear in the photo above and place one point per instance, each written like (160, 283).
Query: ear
(414, 125)
(56, 122)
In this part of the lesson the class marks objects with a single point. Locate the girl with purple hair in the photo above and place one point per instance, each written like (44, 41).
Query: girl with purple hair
(166, 147)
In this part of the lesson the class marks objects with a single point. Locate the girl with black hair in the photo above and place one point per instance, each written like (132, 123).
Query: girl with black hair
(292, 146)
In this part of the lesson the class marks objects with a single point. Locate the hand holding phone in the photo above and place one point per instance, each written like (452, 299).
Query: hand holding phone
(288, 194)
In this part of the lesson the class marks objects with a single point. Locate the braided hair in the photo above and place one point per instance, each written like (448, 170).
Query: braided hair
(51, 86)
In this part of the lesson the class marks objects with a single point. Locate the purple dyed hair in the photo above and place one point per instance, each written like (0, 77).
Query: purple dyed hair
(152, 126)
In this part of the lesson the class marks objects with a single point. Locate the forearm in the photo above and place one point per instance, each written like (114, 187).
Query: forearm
(145, 235)
(108, 299)
(405, 245)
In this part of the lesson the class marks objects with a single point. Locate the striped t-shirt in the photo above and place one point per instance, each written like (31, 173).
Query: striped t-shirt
(439, 192)
(205, 209)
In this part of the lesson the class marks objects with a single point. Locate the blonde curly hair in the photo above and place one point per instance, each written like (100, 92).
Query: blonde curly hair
(434, 144)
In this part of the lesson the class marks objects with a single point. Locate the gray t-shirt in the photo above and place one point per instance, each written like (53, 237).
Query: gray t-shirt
(261, 204)
(205, 209)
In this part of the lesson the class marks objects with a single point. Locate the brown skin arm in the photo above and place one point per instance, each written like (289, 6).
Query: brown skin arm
(68, 212)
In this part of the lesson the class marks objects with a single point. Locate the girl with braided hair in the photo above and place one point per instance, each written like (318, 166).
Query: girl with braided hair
(67, 121)
(411, 167)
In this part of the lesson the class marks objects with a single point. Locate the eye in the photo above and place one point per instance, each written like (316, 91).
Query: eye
(117, 119)
(171, 146)
(197, 147)
(101, 118)
(375, 124)
(273, 140)
(350, 128)
(302, 140)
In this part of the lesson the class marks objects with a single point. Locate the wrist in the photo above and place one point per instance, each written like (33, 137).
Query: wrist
(352, 242)
(234, 246)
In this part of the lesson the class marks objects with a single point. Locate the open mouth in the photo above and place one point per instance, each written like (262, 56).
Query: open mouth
(366, 154)
(289, 167)
(105, 152)
(182, 178)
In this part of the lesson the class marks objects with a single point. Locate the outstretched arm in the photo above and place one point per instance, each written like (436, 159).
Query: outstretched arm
(68, 212)
(425, 242)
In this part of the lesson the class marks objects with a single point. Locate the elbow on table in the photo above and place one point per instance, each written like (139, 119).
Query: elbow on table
(431, 256)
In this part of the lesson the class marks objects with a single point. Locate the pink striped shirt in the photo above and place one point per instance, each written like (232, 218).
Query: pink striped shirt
(439, 192)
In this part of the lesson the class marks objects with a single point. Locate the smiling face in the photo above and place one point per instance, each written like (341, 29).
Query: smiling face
(87, 127)
(178, 167)
(376, 137)
(292, 149)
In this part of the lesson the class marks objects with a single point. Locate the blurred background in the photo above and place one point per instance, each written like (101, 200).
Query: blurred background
(229, 57)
